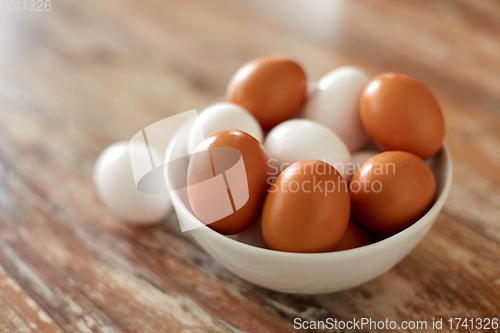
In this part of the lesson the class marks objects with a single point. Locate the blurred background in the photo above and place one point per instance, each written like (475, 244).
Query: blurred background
(76, 76)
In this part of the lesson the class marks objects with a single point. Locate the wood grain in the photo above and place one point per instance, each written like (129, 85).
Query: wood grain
(19, 312)
(87, 74)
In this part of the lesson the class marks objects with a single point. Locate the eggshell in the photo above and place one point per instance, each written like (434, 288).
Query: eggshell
(222, 116)
(400, 113)
(114, 181)
(335, 104)
(257, 172)
(355, 236)
(272, 88)
(300, 139)
(306, 209)
(391, 191)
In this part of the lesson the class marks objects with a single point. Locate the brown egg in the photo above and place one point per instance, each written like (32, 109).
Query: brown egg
(355, 236)
(217, 160)
(400, 113)
(306, 209)
(272, 88)
(391, 191)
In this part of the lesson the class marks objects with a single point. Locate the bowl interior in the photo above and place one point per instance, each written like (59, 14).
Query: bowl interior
(251, 239)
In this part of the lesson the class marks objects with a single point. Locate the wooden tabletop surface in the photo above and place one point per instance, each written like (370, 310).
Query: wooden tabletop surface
(89, 73)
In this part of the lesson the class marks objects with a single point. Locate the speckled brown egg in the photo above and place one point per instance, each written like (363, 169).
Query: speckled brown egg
(391, 190)
(306, 208)
(355, 236)
(272, 88)
(400, 113)
(214, 159)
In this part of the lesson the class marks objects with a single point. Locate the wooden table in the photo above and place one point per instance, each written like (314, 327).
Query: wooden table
(88, 73)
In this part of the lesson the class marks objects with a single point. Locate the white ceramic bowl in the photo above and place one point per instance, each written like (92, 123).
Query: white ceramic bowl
(306, 273)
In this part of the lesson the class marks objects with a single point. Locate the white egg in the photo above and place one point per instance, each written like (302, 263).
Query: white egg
(221, 116)
(335, 104)
(360, 157)
(116, 187)
(300, 139)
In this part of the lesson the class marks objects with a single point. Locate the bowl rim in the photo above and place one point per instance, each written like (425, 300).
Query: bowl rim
(214, 235)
